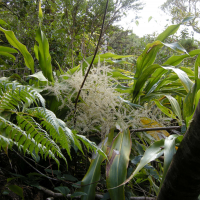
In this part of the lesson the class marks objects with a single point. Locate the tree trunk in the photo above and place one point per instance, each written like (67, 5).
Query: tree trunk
(182, 181)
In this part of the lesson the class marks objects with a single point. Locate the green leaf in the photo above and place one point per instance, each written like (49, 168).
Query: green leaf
(165, 110)
(44, 55)
(116, 168)
(169, 151)
(176, 47)
(94, 172)
(63, 190)
(39, 75)
(17, 190)
(2, 22)
(169, 31)
(144, 76)
(175, 60)
(40, 11)
(77, 194)
(8, 49)
(188, 104)
(148, 56)
(15, 43)
(172, 29)
(7, 55)
(197, 72)
(175, 106)
(186, 82)
(152, 153)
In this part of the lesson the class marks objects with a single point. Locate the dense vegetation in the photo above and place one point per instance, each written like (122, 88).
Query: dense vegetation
(114, 137)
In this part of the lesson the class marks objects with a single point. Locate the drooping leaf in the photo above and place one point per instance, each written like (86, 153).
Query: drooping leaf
(176, 47)
(152, 153)
(175, 106)
(165, 110)
(187, 83)
(15, 43)
(93, 175)
(169, 151)
(39, 75)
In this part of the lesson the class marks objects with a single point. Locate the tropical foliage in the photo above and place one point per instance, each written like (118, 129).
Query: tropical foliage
(123, 103)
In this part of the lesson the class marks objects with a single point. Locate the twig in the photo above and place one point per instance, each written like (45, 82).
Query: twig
(98, 196)
(86, 75)
(155, 129)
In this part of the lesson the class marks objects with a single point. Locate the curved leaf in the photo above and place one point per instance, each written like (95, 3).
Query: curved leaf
(175, 106)
(152, 153)
(116, 168)
(15, 43)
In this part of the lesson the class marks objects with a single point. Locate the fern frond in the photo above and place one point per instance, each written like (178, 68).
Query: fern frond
(90, 145)
(13, 96)
(25, 142)
(54, 127)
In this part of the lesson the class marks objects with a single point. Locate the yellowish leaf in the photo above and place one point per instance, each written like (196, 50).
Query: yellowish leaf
(149, 123)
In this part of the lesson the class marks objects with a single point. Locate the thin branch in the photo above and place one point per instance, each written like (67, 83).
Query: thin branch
(155, 129)
(97, 196)
(86, 75)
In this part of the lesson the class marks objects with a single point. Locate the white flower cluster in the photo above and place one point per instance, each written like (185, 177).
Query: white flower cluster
(99, 108)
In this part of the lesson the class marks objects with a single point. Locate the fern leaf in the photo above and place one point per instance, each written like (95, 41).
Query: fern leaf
(14, 96)
(25, 142)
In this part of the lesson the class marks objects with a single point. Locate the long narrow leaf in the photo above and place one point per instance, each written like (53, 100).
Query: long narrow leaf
(15, 43)
(116, 168)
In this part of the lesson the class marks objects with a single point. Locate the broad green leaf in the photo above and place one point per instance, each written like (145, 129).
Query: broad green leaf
(172, 29)
(175, 60)
(188, 104)
(39, 75)
(187, 83)
(94, 172)
(147, 58)
(137, 87)
(15, 43)
(169, 151)
(44, 55)
(188, 71)
(152, 153)
(116, 168)
(63, 190)
(165, 110)
(169, 31)
(176, 47)
(17, 190)
(175, 106)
